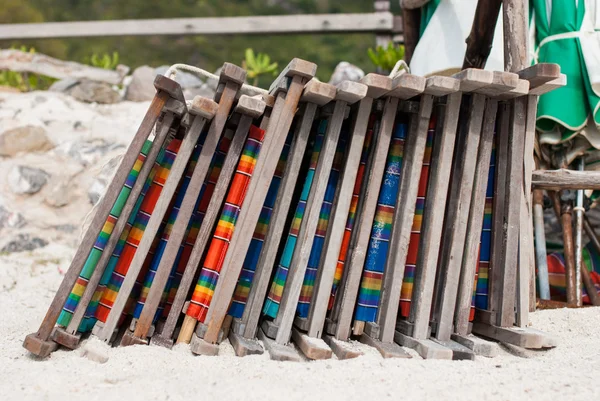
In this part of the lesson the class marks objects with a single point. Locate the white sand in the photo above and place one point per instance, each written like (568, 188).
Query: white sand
(28, 282)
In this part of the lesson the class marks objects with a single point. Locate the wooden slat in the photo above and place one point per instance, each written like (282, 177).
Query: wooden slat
(412, 162)
(475, 221)
(455, 224)
(32, 341)
(250, 210)
(435, 205)
(255, 25)
(556, 180)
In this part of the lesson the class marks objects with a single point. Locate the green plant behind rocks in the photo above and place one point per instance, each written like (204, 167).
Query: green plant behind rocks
(258, 65)
(386, 58)
(105, 61)
(25, 81)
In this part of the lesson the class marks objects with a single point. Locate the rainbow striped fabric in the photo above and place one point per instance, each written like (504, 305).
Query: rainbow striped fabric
(217, 250)
(242, 290)
(137, 231)
(370, 286)
(485, 247)
(92, 260)
(89, 318)
(195, 222)
(339, 269)
(557, 273)
(274, 297)
(155, 256)
(415, 234)
(324, 215)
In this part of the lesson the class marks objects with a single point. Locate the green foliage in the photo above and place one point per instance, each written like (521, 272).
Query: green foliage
(24, 81)
(258, 65)
(105, 61)
(386, 58)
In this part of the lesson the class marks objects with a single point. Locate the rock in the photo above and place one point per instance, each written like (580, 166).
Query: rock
(26, 180)
(204, 91)
(10, 219)
(185, 79)
(64, 85)
(27, 138)
(101, 182)
(95, 92)
(345, 71)
(141, 87)
(23, 242)
(87, 152)
(58, 195)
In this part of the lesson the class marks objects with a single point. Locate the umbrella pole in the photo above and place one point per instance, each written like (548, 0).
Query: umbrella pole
(540, 244)
(579, 210)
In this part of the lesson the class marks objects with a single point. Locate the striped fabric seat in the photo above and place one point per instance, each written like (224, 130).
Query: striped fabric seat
(271, 306)
(96, 252)
(370, 285)
(136, 232)
(242, 290)
(324, 214)
(358, 184)
(213, 262)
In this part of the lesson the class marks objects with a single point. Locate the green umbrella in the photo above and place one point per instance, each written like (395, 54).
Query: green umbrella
(565, 34)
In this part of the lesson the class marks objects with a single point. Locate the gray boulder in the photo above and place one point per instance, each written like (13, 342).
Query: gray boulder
(141, 88)
(87, 152)
(185, 79)
(9, 219)
(64, 85)
(23, 242)
(99, 185)
(26, 180)
(27, 138)
(95, 92)
(345, 71)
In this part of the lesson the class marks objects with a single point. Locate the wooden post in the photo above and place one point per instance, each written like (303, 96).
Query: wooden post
(250, 109)
(377, 85)
(233, 77)
(38, 343)
(589, 285)
(316, 94)
(410, 29)
(412, 161)
(479, 41)
(404, 87)
(298, 72)
(69, 336)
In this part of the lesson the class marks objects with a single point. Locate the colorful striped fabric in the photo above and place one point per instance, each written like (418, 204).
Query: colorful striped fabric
(217, 250)
(242, 290)
(164, 233)
(339, 269)
(274, 297)
(324, 215)
(92, 260)
(557, 273)
(485, 247)
(370, 286)
(137, 231)
(415, 234)
(89, 318)
(195, 222)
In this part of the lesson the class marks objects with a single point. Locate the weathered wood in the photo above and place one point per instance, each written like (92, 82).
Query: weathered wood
(387, 350)
(37, 343)
(478, 345)
(475, 220)
(250, 109)
(312, 348)
(252, 25)
(266, 262)
(69, 337)
(427, 349)
(479, 41)
(412, 162)
(377, 86)
(37, 63)
(566, 219)
(168, 191)
(410, 28)
(244, 346)
(265, 166)
(404, 87)
(515, 27)
(520, 336)
(459, 351)
(592, 292)
(342, 349)
(561, 179)
(278, 352)
(435, 204)
(346, 92)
